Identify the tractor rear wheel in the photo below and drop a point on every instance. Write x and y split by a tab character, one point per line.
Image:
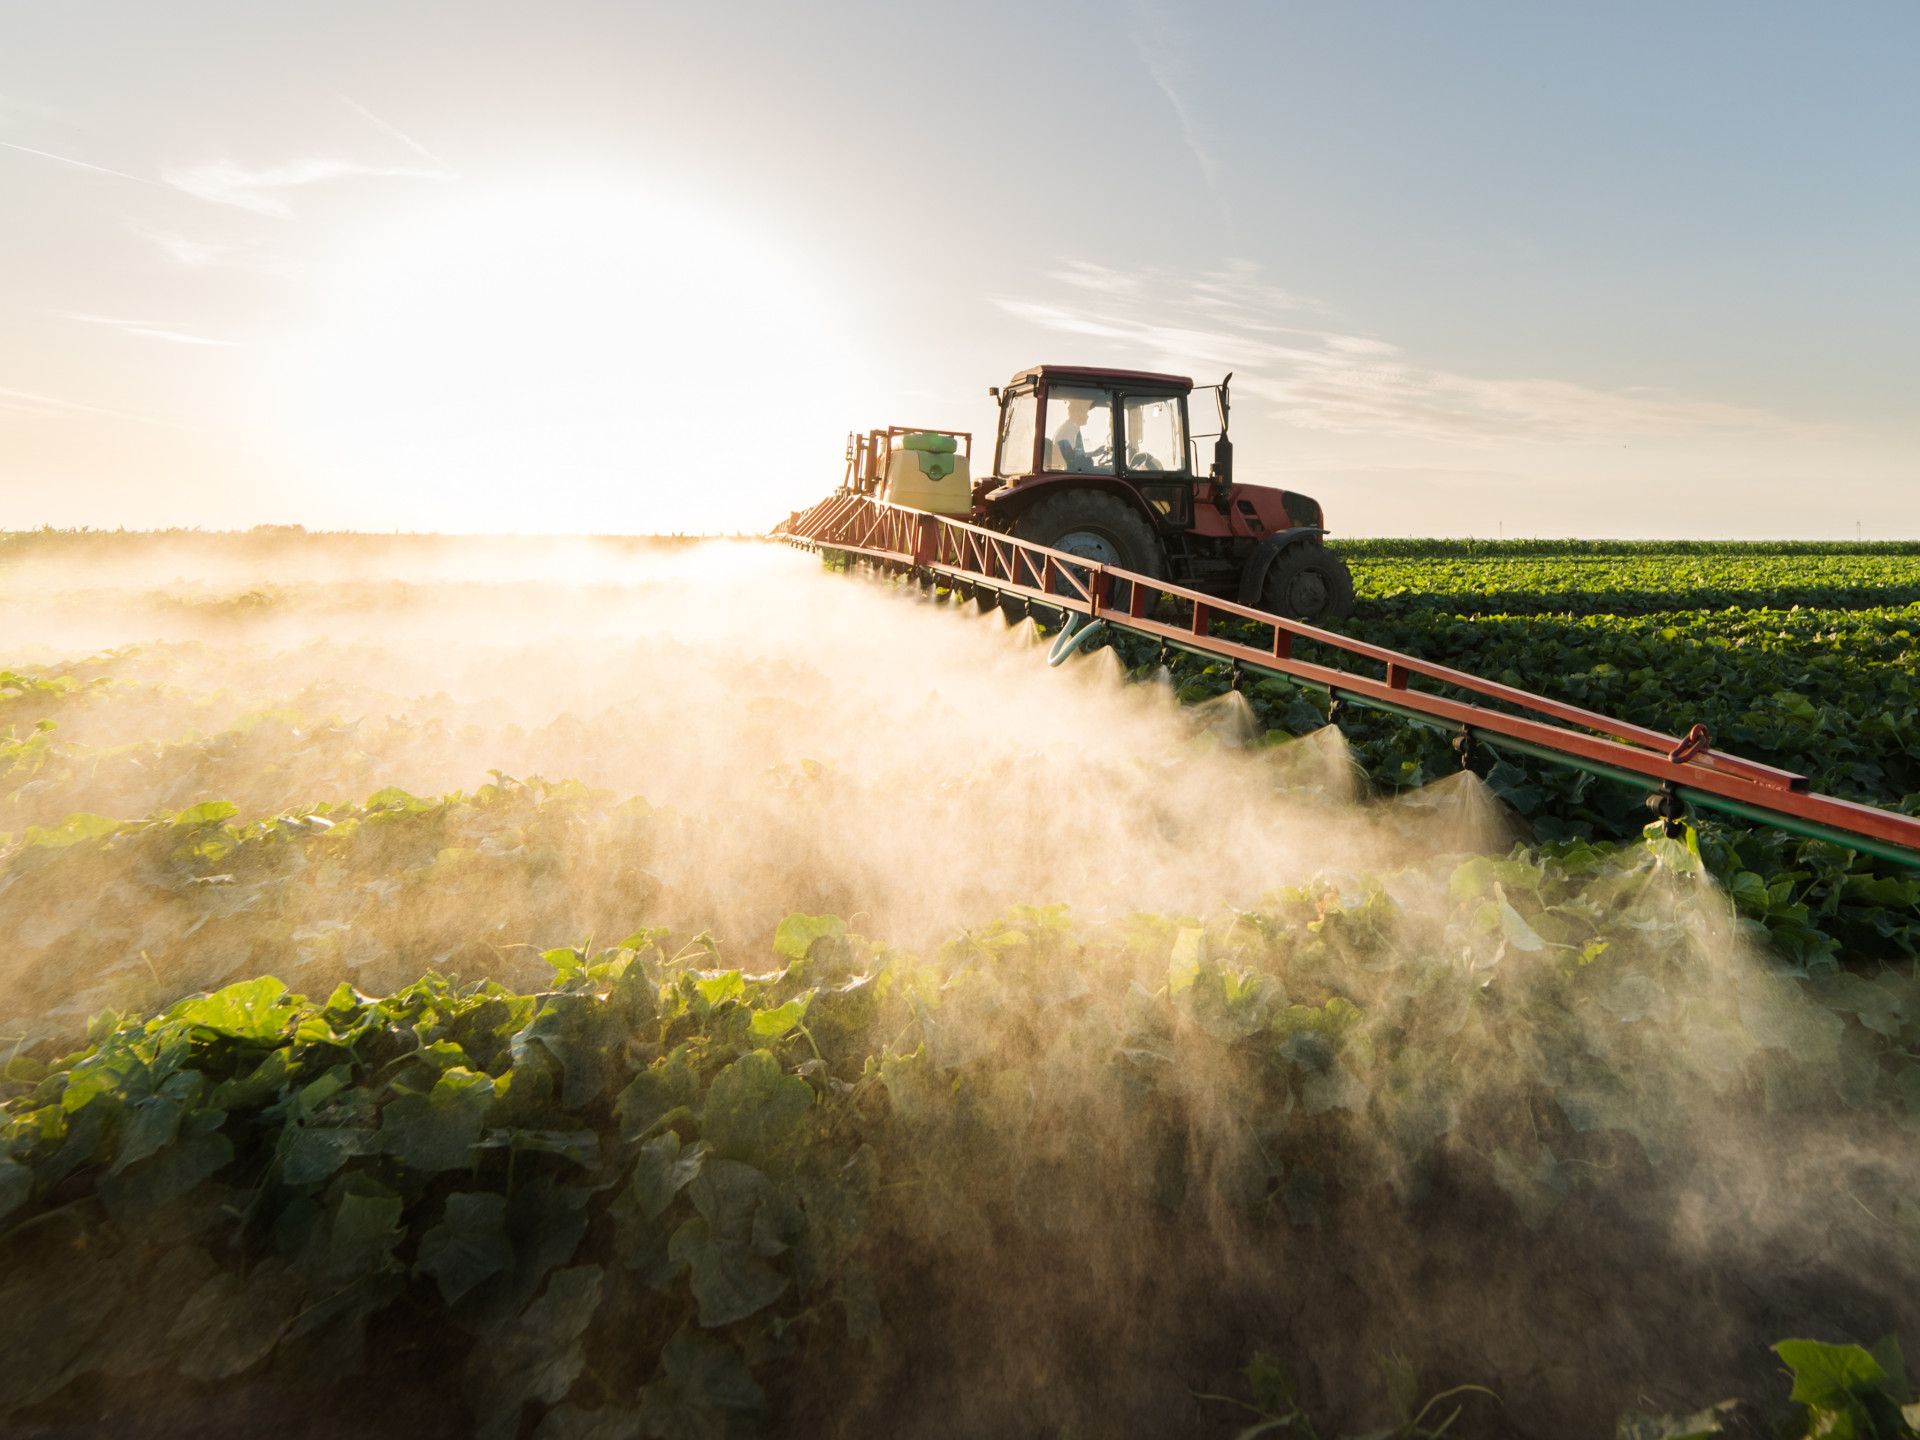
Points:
1101	528
1308	583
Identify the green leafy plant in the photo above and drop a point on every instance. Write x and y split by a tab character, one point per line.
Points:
1851	1393
1274	1399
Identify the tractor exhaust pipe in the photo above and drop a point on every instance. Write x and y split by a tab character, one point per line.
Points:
1222	472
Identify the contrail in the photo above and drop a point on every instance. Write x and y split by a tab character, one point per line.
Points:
69	160
393	130
144	328
52	403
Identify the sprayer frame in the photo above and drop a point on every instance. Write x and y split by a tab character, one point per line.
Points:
934	549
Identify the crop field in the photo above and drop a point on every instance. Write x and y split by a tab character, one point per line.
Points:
568	989
1492	579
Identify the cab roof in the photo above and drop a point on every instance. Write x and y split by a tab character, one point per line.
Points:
1181	383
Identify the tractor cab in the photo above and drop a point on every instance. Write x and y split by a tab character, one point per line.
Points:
1127	425
1108	464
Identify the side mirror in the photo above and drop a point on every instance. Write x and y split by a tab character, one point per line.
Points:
994	391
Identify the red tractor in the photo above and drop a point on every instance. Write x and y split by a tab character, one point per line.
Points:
1105	464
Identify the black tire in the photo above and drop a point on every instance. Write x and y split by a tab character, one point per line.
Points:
1308	583
1100	527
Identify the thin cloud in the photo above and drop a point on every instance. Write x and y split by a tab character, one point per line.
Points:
25	402
1162	48
1323	379
152	332
18	106
194	252
223	183
1084	275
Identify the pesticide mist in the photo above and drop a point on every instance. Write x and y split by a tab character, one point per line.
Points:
575	988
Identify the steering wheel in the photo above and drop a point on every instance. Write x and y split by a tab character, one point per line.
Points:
1100	455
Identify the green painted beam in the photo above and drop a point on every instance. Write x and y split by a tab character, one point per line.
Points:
1793	825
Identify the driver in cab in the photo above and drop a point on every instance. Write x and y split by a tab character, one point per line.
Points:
1069	441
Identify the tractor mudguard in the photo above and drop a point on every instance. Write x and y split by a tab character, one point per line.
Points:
1012	502
1253	577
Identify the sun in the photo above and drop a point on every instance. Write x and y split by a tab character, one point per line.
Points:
569	358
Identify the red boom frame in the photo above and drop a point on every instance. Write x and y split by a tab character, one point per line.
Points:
932	547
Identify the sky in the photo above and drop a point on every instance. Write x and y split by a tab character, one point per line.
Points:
1633	270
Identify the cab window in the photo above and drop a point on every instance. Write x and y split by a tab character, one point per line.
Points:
1079	430
1016	435
1156	440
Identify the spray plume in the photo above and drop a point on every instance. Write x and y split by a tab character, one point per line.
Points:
1187	1056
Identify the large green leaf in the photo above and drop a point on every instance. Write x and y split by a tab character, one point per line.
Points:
469	1245
727	1193
581	1146
728	1280
1829	1375
309	1153
654	1093
438	1130
840	1192
755	1112
662	1171
727	985
208	812
132	1066
705	1387
777	1021
145	1187
257	1010
71	831
545	1221
535	1357
796	934
578	1031
633	998
144	1126
366	1228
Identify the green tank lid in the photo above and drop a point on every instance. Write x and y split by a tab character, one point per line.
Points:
936	466
921	440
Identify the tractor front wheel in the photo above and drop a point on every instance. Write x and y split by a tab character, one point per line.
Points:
1308	583
1099	527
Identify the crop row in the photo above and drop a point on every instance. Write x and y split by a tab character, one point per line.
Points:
658	1192
688	1185
1833	695
1436	548
1632	584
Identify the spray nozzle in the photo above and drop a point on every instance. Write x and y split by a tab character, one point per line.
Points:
1667	804
1468	749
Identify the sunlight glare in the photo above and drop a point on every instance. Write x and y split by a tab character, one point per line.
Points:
575	358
